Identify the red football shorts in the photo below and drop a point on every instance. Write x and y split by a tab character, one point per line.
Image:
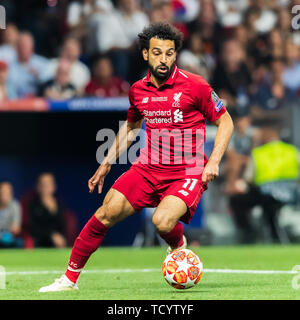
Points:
146	189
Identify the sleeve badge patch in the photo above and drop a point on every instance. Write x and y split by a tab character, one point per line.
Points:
218	103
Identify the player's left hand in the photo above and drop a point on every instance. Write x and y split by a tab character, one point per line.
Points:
210	172
98	178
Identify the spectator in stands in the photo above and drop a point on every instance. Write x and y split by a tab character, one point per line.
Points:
265	16
80	74
186	10
284	22
102	10
250	17
116	33
270	181
240	33
6	90
121	26
131	19
46	219
207	24
80	20
78	13
168	15
8	48
231	78
275	44
291	73
104	83
230	12
10	217
27	72
194	60
155	14
244	138
60	87
270	93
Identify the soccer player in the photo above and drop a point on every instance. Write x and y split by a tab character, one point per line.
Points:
174	105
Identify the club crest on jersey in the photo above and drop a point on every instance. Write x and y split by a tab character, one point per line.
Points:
145	100
176	97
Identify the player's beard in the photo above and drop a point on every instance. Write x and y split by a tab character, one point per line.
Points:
158	75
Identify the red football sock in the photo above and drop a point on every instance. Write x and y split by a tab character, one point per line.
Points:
85	244
174	238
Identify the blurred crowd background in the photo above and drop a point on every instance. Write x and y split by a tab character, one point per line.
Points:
247	50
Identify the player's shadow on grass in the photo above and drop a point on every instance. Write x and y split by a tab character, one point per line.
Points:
204	287
190	292
186	291
223	285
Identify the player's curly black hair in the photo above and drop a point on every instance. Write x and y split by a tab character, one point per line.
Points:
160	30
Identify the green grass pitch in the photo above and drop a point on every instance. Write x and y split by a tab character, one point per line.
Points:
135	274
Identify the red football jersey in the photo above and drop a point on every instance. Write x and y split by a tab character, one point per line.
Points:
174	115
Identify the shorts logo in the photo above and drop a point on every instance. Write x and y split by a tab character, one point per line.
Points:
178	116
185	193
176	97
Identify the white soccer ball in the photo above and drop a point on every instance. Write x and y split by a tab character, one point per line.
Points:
182	269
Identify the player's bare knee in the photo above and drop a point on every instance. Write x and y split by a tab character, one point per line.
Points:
107	214
163	224
164	227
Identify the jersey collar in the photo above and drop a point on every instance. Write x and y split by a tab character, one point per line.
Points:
170	80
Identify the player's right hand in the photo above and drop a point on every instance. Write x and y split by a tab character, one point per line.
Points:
98	178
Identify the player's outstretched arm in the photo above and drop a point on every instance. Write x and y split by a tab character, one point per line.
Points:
124	139
224	133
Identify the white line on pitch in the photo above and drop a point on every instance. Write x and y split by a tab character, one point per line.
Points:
9	273
250	271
